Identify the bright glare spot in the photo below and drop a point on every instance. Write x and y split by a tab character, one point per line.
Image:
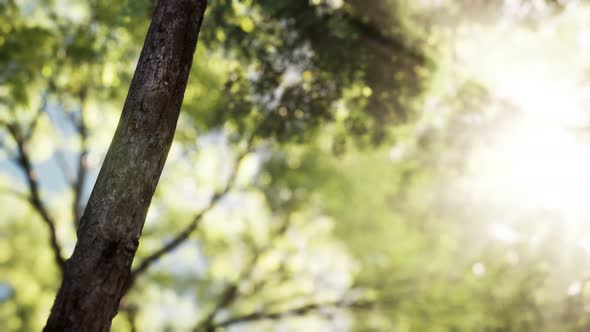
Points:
503	233
478	269
292	76
541	165
574	289
584	243
76	11
584	39
397	152
534	167
335	3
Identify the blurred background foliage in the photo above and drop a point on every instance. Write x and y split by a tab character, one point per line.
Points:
340	165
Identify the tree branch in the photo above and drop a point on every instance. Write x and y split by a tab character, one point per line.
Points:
231	292
67	172
31	130
192	226
130	311
82	163
76	179
302	310
24	162
108	236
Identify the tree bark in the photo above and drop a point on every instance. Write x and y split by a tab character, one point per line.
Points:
96	275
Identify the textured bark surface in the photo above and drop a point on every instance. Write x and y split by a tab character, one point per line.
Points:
96	275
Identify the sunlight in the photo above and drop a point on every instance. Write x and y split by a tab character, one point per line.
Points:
540	165
536	170
540	161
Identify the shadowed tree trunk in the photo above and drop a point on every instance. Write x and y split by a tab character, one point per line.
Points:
96	275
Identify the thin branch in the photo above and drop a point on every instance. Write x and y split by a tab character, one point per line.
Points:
130	311
76	179
192	226
31	130
24	161
299	311
281	274
231	292
226	298
176	241
67	172
82	163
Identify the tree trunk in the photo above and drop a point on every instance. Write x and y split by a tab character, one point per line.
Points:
96	275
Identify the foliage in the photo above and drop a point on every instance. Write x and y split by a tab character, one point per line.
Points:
321	176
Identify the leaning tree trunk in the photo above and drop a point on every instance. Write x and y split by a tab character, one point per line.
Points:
96	275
